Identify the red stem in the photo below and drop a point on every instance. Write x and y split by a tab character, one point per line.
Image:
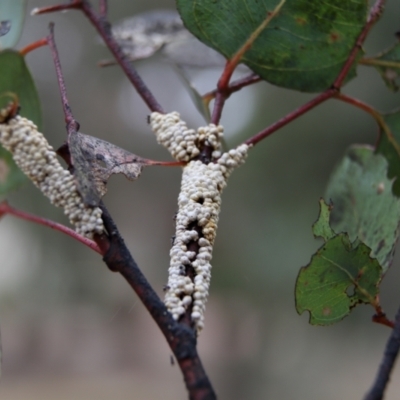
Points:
69	118
231	64
103	8
33	46
6	209
291	116
357	103
383	320
374	14
234	86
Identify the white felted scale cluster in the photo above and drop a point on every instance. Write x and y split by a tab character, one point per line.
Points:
199	205
37	159
183	143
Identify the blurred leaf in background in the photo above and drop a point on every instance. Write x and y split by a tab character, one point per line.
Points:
12	13
363	203
15	79
388	65
389	146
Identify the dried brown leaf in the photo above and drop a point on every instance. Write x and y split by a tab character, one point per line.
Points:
95	160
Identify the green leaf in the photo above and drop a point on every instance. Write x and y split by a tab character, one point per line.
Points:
363	203
321	227
340	275
11	176
15	78
14	12
303	47
388	65
389	146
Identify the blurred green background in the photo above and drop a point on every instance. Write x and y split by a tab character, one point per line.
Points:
71	329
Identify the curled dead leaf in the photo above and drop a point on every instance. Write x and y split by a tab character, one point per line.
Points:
95	160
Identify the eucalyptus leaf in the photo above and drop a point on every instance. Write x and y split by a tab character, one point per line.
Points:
363	203
303	47
341	275
15	79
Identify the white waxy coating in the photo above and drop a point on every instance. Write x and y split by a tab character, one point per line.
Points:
183	143
199	204
37	159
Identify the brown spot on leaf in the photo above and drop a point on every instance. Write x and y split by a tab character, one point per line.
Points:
334	37
326	311
301	20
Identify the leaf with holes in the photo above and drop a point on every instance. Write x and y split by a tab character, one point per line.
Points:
16	80
340	275
303	48
363	203
95	160
388	65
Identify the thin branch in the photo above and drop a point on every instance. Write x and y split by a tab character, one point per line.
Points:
291	117
218	107
182	340
391	351
33	46
232	63
103	27
73	4
380	318
69	119
6	209
235	86
361	105
103	8
375	114
368	109
379	63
